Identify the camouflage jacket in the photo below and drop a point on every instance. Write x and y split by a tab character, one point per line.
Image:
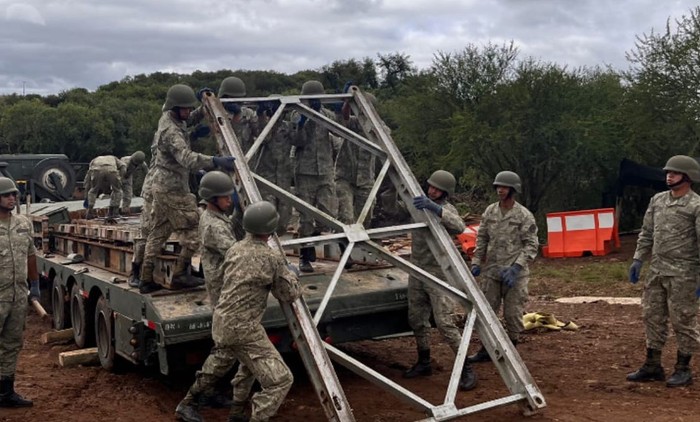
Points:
16	244
355	164
103	163
251	270
420	251
246	127
130	170
174	159
506	239
314	153
670	233
275	150
216	234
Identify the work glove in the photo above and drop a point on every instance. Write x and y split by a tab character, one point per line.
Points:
263	109
509	275
635	269
347	86
34	292
200	131
423	202
201	93
225	163
302	121
236	202
293	268
315	105
232	108
476	270
86	204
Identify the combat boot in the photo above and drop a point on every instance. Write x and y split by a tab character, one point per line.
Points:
305	256
651	370
215	400
681	376
237	413
422	368
8	396
467	380
181	275
188	409
147	284
135	276
481	356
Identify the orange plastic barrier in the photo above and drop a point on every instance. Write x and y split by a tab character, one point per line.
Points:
467	239
578	233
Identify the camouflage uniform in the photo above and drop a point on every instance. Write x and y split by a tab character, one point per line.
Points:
245	126
145	218
506	237
216	234
174	207
670	233
424	297
128	180
273	163
16	245
105	175
313	176
354	177
251	270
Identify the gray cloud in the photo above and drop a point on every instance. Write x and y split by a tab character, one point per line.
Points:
54	45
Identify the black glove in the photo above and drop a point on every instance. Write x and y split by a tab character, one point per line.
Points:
302	121
423	202
201	93
476	270
200	131
34	291
86	204
225	163
263	109
635	269
510	275
232	108
347	86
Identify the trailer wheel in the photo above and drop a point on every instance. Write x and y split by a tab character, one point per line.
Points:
104	334
83	331
61	317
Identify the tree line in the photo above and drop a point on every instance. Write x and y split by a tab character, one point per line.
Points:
473	112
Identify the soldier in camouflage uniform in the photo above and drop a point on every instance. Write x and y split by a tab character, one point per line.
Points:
425	298
18	260
505	245
104	175
251	270
244	120
133	163
273	161
670	235
174	207
313	175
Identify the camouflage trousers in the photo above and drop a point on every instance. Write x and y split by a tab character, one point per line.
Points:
171	214
12	318
513	299
671	297
351	200
319	191
258	360
425	298
127	192
103	182
140	243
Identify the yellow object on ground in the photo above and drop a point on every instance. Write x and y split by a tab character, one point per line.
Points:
535	320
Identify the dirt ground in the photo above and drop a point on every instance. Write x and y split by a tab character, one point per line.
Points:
581	374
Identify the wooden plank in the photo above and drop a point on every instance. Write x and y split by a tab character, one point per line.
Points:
79	357
57	336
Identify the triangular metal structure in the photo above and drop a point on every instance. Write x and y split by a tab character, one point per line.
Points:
459	283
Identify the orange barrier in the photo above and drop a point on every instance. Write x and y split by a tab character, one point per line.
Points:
467	239
578	233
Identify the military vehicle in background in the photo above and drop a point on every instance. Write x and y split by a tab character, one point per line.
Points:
49	177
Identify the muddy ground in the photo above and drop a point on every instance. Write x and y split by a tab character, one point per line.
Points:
581	374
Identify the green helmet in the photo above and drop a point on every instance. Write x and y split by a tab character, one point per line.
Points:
443	180
7	186
684	164
137	158
260	218
312	88
215	183
232	87
509	179
180	95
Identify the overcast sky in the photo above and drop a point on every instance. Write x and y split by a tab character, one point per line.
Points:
47	46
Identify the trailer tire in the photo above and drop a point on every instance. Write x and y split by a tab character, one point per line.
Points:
60	315
83	331
56	176
104	334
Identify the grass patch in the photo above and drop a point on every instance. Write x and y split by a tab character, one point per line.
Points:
583	277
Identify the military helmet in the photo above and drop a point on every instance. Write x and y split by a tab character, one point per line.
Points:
509	179
260	218
215	183
443	180
137	158
7	186
180	95
684	164
312	88
232	87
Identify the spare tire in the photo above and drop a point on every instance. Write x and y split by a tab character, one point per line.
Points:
55	177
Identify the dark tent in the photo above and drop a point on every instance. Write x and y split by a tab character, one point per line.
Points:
635	174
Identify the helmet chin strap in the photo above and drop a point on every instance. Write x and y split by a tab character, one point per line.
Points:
684	179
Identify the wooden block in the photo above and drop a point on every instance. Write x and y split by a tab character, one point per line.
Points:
79	357
57	336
